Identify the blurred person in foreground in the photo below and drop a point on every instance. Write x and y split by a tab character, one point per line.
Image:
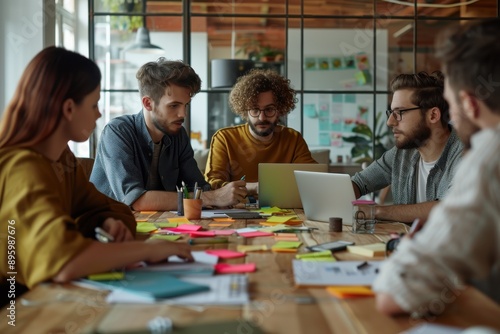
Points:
460	243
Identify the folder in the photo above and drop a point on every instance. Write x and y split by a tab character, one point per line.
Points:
150	285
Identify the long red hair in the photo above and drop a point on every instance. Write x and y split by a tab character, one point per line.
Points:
52	77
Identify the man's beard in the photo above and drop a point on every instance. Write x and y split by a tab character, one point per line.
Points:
163	129
417	137
264	133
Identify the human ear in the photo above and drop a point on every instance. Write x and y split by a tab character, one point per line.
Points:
469	104
68	109
147	103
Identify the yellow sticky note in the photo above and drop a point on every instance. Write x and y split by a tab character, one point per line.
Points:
111	276
251	248
279	219
145	228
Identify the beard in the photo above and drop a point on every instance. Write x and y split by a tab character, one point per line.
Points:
264	133
164	127
416	138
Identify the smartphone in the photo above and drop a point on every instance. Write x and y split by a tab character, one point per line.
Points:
331	246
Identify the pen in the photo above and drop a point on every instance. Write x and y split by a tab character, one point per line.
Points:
216	240
243	178
103	236
185	189
362	265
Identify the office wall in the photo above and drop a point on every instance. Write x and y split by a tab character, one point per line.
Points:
21	37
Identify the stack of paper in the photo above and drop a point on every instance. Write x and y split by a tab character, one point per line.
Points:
343	273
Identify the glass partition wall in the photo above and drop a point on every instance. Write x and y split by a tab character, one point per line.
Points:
339	55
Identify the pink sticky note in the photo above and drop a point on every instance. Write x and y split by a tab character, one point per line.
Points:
198	234
256	234
188	227
225	253
226	268
224	232
184	228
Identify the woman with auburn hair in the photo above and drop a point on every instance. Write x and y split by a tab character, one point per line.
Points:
48	208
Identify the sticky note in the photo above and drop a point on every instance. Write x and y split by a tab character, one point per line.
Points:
350	291
224	232
165	224
199	234
143	216
225	253
187	227
111	276
251	248
255	234
165	237
287	244
227	268
145	227
219	224
226	220
279	219
179	220
325	253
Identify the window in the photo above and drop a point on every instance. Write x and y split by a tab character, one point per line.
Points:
339	55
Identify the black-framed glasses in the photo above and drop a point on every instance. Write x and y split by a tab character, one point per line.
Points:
398	113
268	111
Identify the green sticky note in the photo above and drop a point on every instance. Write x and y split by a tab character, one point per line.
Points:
111	276
145	227
287	244
325	253
165	237
320	259
165	224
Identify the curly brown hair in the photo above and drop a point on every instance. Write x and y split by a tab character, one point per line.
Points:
245	92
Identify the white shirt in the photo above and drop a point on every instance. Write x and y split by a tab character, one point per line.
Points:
460	244
423	173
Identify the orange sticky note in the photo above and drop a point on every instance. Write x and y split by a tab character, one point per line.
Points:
350	291
226	220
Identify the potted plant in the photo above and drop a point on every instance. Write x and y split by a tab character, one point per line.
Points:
362	149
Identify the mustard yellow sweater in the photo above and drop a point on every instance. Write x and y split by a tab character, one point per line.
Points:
234	152
46	210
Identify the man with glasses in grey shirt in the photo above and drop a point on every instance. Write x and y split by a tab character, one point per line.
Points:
422	164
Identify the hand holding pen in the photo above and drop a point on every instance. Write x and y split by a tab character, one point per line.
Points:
117	229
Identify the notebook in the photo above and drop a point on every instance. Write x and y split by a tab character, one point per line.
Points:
326	195
277	185
150	285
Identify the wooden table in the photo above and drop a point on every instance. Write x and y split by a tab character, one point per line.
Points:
276	305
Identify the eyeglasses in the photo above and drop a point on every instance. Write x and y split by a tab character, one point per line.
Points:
268	111
398	114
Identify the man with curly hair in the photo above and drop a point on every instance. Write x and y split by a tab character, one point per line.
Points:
261	97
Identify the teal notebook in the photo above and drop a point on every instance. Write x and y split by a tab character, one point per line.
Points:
150	284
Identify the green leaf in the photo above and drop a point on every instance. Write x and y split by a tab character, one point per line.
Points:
363	129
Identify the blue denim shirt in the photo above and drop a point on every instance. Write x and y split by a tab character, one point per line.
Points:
399	168
124	154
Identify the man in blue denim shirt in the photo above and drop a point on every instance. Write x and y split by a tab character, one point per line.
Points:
422	164
142	158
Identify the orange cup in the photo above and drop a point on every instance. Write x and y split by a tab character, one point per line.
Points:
192	208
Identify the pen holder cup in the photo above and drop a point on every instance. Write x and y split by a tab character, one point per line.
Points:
192	208
363	217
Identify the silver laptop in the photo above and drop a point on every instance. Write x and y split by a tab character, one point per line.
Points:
277	185
326	195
